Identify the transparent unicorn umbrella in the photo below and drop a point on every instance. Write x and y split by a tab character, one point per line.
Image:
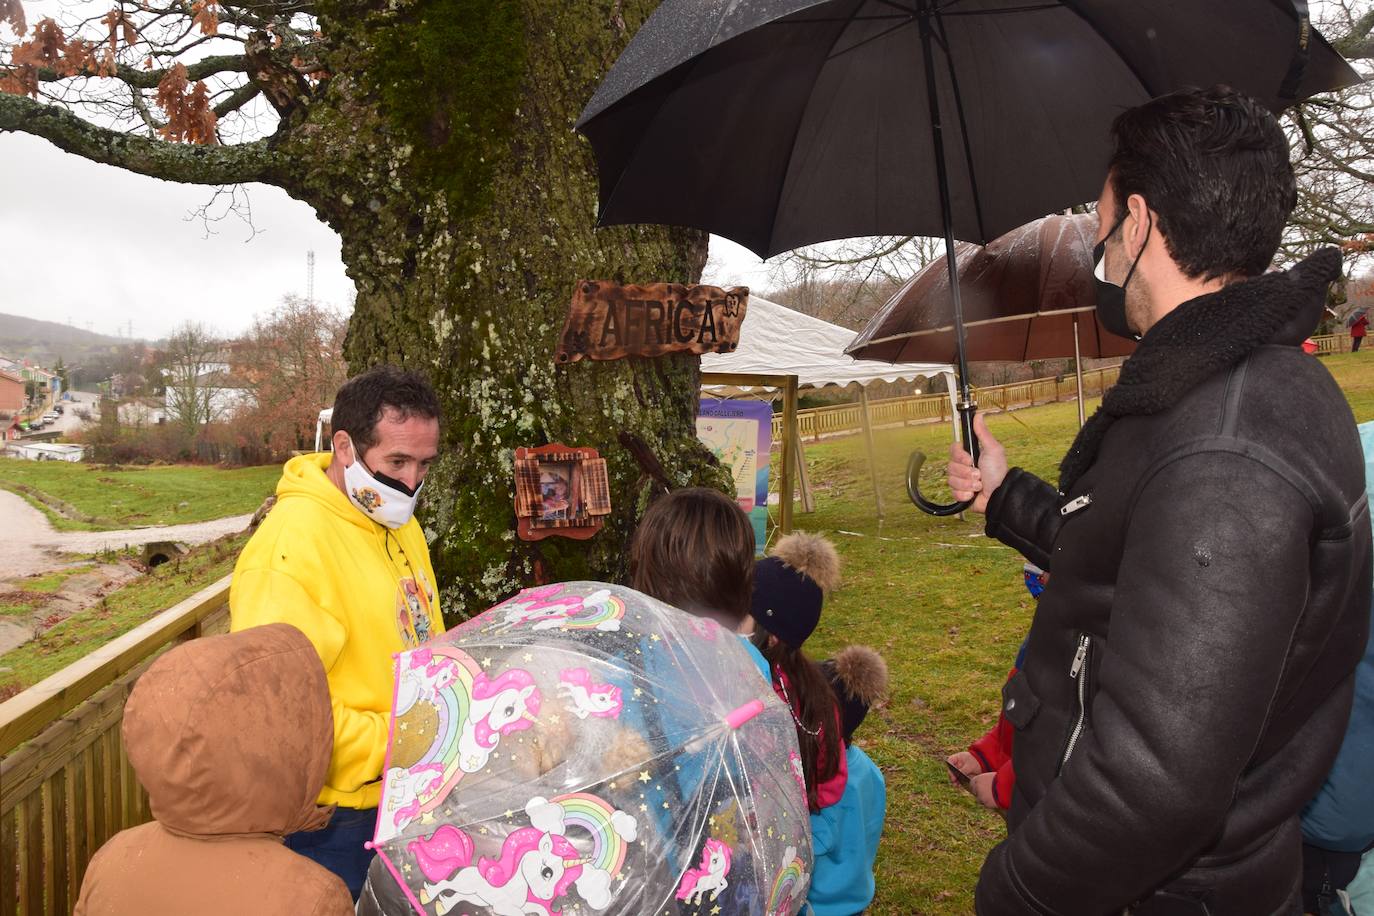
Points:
585	749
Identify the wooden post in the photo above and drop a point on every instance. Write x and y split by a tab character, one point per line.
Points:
868	441
1078	369
789	414
808	501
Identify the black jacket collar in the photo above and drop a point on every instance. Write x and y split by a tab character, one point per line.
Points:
1202	337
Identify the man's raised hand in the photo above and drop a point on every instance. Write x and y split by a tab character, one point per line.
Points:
977	483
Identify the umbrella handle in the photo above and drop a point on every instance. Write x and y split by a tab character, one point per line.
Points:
918	460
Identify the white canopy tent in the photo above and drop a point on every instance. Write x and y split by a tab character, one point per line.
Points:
776	340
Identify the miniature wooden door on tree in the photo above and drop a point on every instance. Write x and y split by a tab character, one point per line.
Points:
560	491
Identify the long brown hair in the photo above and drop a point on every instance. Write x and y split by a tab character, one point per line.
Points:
814	711
694	549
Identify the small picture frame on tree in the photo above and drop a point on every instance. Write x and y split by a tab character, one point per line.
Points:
560	491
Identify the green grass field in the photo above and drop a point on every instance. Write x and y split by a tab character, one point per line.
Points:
944	605
947	609
135	497
114	615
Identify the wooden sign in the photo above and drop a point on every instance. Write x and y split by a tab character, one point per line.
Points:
608	321
560	491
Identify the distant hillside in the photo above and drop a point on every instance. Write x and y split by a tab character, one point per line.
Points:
45	341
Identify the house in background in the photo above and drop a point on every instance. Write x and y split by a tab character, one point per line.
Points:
45	451
138	412
12	396
211	396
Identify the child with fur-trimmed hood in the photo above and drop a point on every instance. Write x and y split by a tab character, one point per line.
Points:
844	787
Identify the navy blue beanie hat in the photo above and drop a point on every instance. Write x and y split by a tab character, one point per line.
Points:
790	586
787	602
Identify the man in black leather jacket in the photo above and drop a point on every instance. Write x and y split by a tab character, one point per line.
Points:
1189	671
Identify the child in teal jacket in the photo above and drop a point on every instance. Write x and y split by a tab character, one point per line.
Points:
845	836
844	788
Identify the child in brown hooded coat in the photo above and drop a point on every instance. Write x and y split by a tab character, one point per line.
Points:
231	736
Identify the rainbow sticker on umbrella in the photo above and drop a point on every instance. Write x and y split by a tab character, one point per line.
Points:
611	829
537	864
474	712
549	608
789	887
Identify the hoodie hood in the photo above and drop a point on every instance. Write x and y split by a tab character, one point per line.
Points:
304	477
233	734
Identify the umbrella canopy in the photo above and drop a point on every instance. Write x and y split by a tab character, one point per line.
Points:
1354	317
779	123
822	119
1025	294
584	748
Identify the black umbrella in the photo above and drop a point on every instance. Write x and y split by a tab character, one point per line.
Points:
779	123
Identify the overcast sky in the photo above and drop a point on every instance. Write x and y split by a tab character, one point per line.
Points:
101	247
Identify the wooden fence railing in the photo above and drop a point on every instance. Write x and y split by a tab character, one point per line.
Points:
1332	343
815	422
66	785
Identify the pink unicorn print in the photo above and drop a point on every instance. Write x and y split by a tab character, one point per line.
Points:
589	698
709	876
419	784
706	628
534	870
545	609
501	706
798	773
422	679
539	605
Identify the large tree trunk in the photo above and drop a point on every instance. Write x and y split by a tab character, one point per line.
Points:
444	155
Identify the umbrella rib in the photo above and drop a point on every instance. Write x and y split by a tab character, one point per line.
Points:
872	38
963	130
1028	8
796	131
887	17
1072	7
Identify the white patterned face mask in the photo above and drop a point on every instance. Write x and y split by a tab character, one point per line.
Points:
383	499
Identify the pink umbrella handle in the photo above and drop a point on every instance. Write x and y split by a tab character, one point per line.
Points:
744	713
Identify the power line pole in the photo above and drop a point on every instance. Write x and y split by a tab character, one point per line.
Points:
310	277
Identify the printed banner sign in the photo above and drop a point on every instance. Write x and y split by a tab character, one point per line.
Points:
609	321
740	435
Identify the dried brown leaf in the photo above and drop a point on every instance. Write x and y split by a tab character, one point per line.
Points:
12	11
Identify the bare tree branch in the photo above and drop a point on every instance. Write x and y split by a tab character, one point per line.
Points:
1358	44
237	99
148	79
192	164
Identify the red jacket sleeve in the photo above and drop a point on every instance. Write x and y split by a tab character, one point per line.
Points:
993	751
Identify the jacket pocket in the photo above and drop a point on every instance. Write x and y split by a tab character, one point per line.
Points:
1019	702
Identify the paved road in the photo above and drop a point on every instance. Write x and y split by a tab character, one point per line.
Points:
30	544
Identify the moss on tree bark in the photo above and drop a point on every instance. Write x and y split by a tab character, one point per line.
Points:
444	155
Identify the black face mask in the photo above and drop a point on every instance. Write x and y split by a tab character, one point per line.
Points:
390	481
1111	299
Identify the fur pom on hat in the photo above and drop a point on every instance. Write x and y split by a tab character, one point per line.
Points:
811	555
858	675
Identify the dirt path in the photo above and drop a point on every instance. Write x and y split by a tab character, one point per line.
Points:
29	544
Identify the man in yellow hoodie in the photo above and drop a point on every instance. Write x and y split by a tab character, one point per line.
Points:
341	558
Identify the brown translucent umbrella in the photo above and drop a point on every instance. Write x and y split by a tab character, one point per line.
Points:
1027	295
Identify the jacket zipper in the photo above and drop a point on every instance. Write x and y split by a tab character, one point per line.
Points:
1080	658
